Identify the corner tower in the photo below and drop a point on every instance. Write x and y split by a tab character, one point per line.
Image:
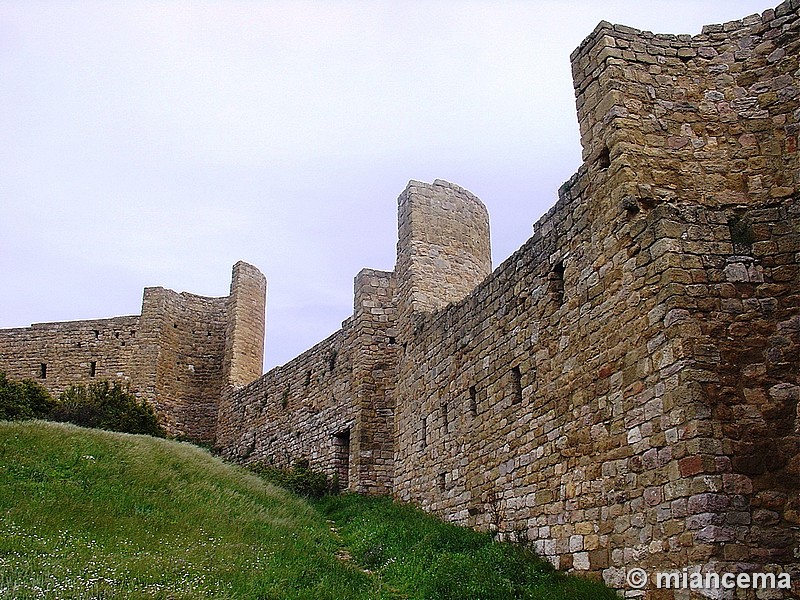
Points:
244	337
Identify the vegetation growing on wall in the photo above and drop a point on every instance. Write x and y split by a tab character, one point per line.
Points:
300	479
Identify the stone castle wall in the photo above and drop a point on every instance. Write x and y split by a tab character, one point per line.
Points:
70	352
295	411
246	322
622	391
332	405
179	354
443	248
703	130
189	333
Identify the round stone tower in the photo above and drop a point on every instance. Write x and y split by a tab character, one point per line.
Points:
443	248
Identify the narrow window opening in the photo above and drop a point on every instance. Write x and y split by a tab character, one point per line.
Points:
133	333
116	334
42	370
174	325
473	401
332	360
445	415
516	382
442	481
604	158
285	397
341	458
308	379
424	427
741	231
392	340
93	368
557	283
96	334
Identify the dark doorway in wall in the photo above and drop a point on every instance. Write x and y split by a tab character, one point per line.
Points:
341	458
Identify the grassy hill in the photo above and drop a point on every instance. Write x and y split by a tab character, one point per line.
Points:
93	514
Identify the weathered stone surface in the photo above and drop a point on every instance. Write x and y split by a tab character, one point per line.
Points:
179	354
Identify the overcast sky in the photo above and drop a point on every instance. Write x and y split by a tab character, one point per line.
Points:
157	143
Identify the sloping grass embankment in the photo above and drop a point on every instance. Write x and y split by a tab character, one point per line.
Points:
426	558
93	514
89	514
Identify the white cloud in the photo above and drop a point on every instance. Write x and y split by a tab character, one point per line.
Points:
162	141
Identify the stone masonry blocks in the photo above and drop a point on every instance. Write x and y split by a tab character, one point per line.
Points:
621	392
178	354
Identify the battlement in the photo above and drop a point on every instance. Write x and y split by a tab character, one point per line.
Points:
623	391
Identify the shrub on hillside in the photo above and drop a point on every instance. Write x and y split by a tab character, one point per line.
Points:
106	406
23	400
300	479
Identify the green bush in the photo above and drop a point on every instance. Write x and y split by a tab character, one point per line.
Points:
23	400
300	479
106	406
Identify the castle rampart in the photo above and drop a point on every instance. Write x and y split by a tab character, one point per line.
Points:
65	353
622	391
179	354
189	333
333	404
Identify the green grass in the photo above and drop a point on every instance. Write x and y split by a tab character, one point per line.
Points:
425	558
94	514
